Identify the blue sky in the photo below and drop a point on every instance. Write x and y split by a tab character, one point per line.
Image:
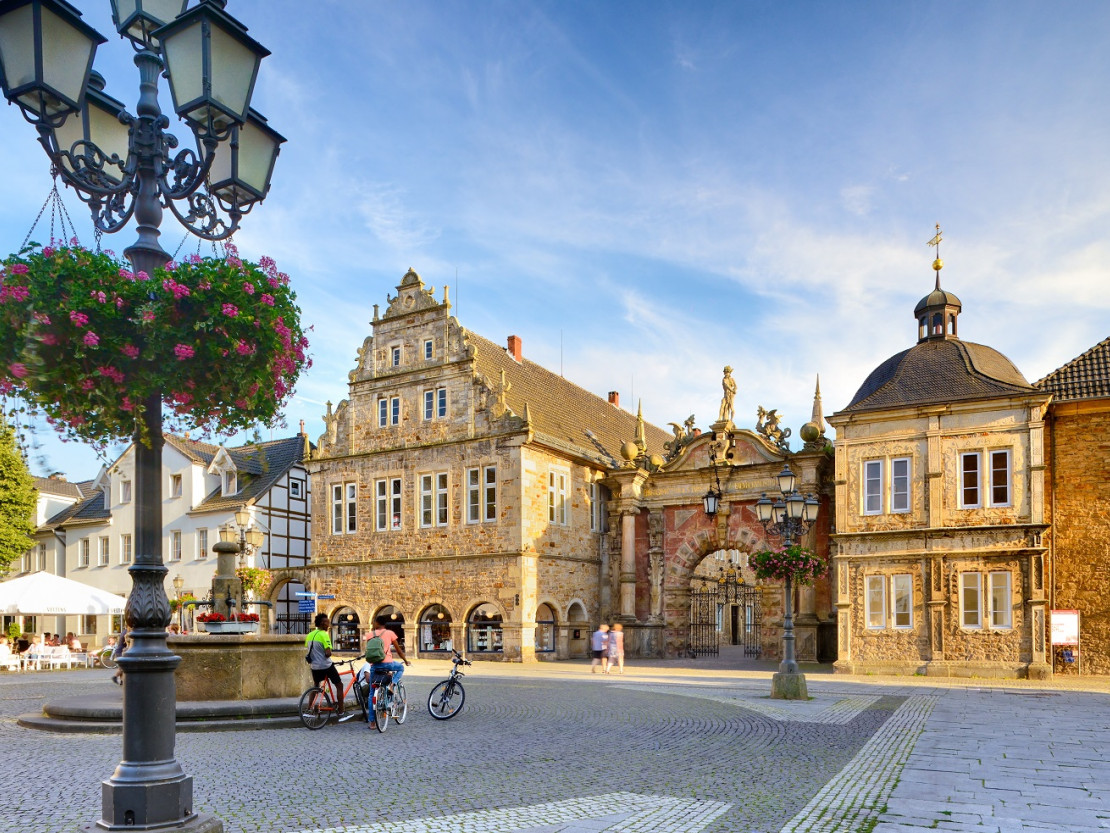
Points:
645	192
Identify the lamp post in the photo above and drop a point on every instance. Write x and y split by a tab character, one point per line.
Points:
123	166
789	516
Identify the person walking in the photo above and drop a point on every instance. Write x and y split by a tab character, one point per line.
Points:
318	643
599	645
615	648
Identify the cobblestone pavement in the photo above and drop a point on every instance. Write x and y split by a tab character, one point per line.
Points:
539	749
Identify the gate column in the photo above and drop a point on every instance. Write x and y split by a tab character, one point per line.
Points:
628	564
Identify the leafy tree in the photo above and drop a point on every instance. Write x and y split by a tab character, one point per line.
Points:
17	500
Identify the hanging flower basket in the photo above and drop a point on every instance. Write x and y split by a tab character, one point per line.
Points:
88	343
797	563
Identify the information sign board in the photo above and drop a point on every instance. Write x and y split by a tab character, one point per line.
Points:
1065	627
306	606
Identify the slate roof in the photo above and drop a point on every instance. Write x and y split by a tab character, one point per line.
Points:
1084	377
937	372
259	466
561	410
89	510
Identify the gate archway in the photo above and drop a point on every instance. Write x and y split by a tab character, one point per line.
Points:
726	607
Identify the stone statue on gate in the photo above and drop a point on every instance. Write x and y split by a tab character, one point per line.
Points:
728	384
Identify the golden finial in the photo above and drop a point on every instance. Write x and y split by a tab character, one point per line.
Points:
938	264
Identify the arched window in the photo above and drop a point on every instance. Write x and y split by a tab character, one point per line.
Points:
483	632
545	629
345	626
938	324
951	324
435	630
922	327
396	622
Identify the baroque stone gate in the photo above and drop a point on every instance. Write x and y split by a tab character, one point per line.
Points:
661	540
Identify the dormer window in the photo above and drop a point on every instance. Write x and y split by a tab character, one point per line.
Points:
223	466
175	485
230	483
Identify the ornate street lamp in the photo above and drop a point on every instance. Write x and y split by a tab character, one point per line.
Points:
789	517
178	584
123	166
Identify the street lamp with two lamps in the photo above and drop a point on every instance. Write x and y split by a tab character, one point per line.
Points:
789	516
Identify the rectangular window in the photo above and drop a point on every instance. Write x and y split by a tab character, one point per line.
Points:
433	499
970	595
441	499
900	484
175	545
102	552
383	413
872	487
435	403
490	498
969	481
125	549
395	356
597	507
352	507
231	483
294	488
473	496
175	485
388	504
1001	606
429	404
83	557
901	589
344	508
557	497
441	403
876	602
1000	478
428	348
42	556
202	543
125	491
395	410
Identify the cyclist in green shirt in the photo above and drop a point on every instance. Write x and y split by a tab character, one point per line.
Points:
318	643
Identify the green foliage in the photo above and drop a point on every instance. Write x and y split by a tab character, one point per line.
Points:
254	580
89	344
800	564
175	604
17	500
14	631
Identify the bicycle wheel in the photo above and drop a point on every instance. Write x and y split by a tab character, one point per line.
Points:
316	708
400	704
381	709
446	699
105	658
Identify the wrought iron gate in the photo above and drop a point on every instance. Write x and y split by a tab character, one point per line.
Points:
708	603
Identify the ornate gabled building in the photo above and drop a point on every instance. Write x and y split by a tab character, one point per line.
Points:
940	510
461	487
1078	493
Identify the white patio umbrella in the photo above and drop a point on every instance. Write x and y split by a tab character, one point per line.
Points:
44	594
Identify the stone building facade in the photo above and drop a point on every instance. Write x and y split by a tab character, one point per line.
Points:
1077	451
940	555
459	490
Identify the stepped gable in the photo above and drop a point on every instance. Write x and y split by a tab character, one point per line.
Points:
561	410
1085	377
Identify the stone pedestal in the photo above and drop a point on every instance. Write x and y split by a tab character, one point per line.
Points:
249	667
643	639
785	686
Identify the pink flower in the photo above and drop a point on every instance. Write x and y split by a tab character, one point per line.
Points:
170	265
99	297
49	339
18	370
148	315
230	310
119	302
79	318
183	352
267	299
91	339
193	259
87	384
18	268
125	274
131	351
47	251
42	318
112	373
142	276
244	349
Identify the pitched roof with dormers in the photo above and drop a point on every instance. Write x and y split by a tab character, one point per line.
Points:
939	372
560	410
61	488
1084	377
259	466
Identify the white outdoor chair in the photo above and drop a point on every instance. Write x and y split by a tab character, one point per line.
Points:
11	662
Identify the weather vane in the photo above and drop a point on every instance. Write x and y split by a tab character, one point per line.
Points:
938	264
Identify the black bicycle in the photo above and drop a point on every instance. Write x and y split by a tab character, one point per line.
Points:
387	700
447	697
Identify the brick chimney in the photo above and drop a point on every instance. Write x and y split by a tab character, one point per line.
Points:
615	398
516	348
